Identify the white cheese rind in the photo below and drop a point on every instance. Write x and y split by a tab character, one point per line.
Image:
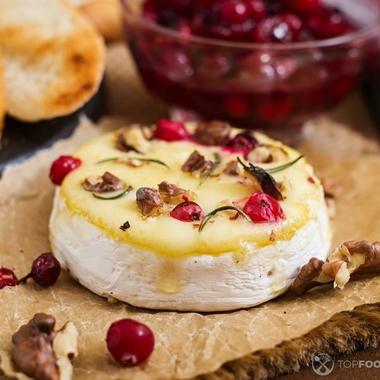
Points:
200	282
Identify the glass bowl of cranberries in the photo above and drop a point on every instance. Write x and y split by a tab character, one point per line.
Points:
260	64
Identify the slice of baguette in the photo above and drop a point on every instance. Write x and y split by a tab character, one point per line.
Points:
53	58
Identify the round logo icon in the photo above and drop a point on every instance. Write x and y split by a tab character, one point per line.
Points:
323	364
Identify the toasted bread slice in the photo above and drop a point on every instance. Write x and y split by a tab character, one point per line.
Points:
53	58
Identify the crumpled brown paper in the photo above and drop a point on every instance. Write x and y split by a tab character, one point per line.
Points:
187	344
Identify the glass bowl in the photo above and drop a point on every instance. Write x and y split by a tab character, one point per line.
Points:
254	85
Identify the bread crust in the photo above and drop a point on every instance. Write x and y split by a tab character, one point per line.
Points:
54	59
2	100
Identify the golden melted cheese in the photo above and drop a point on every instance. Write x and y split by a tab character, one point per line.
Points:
169	237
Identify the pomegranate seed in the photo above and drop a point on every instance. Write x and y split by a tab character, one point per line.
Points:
130	342
187	212
45	270
263	208
7	278
61	167
169	130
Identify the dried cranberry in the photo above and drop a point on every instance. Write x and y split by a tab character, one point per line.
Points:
130	342
242	142
45	270
170	130
62	166
187	212
7	278
262	208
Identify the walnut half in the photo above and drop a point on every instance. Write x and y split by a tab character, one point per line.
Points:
351	258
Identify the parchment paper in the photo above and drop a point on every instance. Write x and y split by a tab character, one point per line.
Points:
187	344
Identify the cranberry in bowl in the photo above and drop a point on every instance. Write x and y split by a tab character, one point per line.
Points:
259	64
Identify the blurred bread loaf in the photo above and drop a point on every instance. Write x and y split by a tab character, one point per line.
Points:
105	16
53	58
2	100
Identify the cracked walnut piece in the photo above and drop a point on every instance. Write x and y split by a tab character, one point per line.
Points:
351	258
36	352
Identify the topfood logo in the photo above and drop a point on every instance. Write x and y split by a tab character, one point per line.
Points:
323	364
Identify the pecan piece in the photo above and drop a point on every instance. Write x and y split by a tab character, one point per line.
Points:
215	132
171	193
149	201
103	184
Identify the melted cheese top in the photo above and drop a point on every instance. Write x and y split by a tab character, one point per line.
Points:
166	236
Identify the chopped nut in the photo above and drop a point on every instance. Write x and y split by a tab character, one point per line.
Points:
173	194
103	184
267	153
232	168
149	201
308	276
135	137
65	346
33	352
197	164
351	258
212	133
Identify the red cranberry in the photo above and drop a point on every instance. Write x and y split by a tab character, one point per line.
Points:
61	167
242	142
304	7
236	106
234	12
130	342
45	270
257	9
277	109
7	278
176	64
333	26
284	27
169	130
262	208
187	212
214	66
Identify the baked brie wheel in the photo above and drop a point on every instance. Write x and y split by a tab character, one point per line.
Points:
191	217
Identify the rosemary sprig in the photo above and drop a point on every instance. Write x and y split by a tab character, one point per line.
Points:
217	162
134	158
276	168
118	195
207	217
